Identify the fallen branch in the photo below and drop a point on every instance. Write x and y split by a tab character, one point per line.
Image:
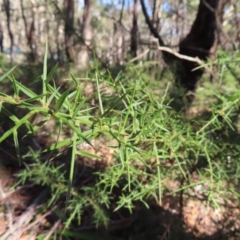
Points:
178	55
191	59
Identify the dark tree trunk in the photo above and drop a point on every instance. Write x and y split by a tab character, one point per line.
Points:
1	38
197	43
69	29
134	31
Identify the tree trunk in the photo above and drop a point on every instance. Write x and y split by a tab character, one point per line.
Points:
29	34
120	43
7	9
197	43
69	29
24	19
154	55
34	34
155	19
1	38
83	57
134	31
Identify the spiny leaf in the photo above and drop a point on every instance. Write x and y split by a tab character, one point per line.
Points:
6	74
24	89
60	101
19	123
44	76
16	143
16	90
88	155
74	80
10	115
50	75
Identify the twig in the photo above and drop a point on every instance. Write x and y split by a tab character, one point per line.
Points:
39	219
4	195
139	56
150	25
17	229
54	227
178	55
191	59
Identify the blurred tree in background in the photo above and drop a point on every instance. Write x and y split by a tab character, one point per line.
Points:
109	29
174	35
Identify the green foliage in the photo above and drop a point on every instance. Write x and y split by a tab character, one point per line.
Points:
153	144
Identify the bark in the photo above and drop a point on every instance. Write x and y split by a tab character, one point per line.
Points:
69	29
24	18
1	38
47	31
120	45
154	55
237	21
60	53
29	34
134	31
30	41
120	37
34	34
156	7
83	57
7	10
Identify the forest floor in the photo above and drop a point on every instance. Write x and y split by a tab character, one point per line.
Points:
20	218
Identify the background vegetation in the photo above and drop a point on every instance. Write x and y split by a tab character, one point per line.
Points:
95	140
